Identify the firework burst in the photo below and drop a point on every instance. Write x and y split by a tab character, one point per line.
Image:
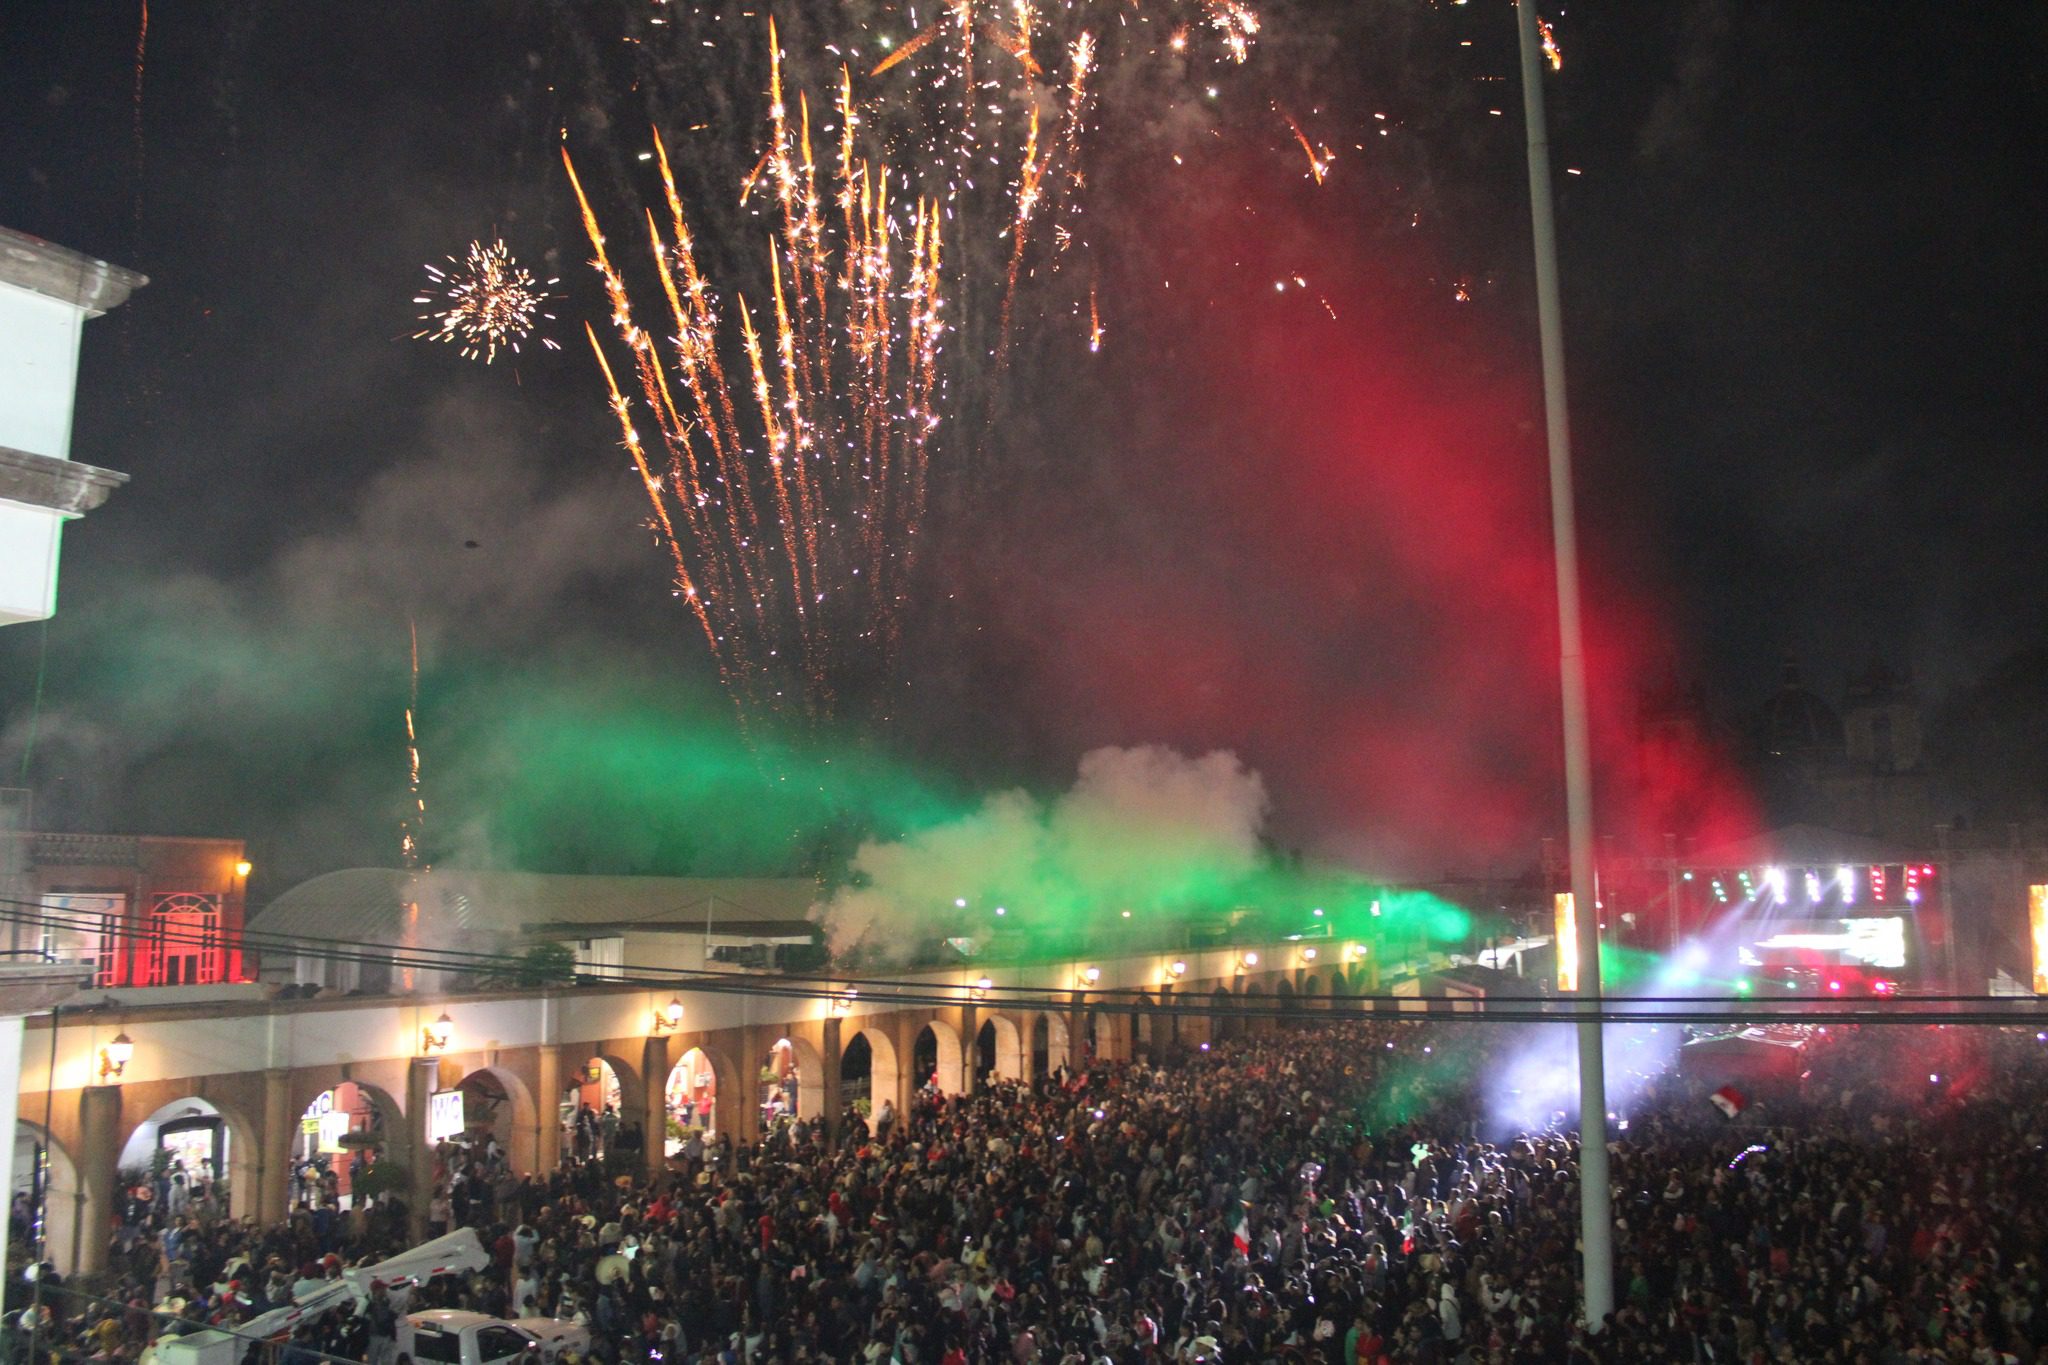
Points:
788	490
484	303
792	427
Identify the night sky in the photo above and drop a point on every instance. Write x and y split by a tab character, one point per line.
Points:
1802	278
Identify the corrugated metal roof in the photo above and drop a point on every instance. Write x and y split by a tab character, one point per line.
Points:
371	903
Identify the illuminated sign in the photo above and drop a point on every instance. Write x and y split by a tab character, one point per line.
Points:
333	1126
1873	941
444	1116
1567	930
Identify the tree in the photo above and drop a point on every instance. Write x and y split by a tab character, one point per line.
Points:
547	964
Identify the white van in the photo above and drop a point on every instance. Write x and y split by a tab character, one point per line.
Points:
443	1336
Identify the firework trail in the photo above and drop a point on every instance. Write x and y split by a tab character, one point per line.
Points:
789	499
141	54
792	428
1319	157
484	302
948	98
414	823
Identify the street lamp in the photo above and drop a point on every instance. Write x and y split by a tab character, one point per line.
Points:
669	1017
436	1037
115	1056
243	867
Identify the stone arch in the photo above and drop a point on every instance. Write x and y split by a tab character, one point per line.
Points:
800	1078
381	1118
944	1058
999	1049
1143	1025
874	1078
1252	1001
1223	1020
44	1170
307	1086
1288	1002
632	1085
494	1097
232	1140
1050	1045
719	1106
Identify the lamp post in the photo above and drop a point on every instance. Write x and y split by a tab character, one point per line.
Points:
1596	1217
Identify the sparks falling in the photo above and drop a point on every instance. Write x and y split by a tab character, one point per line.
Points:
788	427
414	823
1319	157
484	303
790	493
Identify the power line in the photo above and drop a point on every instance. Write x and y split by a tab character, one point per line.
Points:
1662	1009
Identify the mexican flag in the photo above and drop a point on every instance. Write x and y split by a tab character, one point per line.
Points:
1241	1235
1729	1100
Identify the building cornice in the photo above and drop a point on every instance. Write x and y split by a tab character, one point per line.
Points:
68	276
64	486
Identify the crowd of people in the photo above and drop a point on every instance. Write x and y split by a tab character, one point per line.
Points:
1329	1195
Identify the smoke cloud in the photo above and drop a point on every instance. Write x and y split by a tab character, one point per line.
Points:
1142	829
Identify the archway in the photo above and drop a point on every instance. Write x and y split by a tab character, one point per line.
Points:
1223	1020
692	1098
1143	1022
1253	1003
188	1152
935	1058
46	1183
497	1105
339	1138
1288	1003
1048	1044
601	1083
1315	991
999	1049
867	1071
791	1085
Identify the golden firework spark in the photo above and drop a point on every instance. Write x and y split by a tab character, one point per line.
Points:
1319	157
789	499
483	303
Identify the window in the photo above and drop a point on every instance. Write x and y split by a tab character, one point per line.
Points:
185	947
82	927
498	1343
432	1344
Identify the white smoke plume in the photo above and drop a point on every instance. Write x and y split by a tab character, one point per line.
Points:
1145	829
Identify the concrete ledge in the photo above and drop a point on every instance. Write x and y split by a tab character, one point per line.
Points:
31	988
60	273
60	485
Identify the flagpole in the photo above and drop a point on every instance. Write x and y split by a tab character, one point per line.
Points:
1596	1215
